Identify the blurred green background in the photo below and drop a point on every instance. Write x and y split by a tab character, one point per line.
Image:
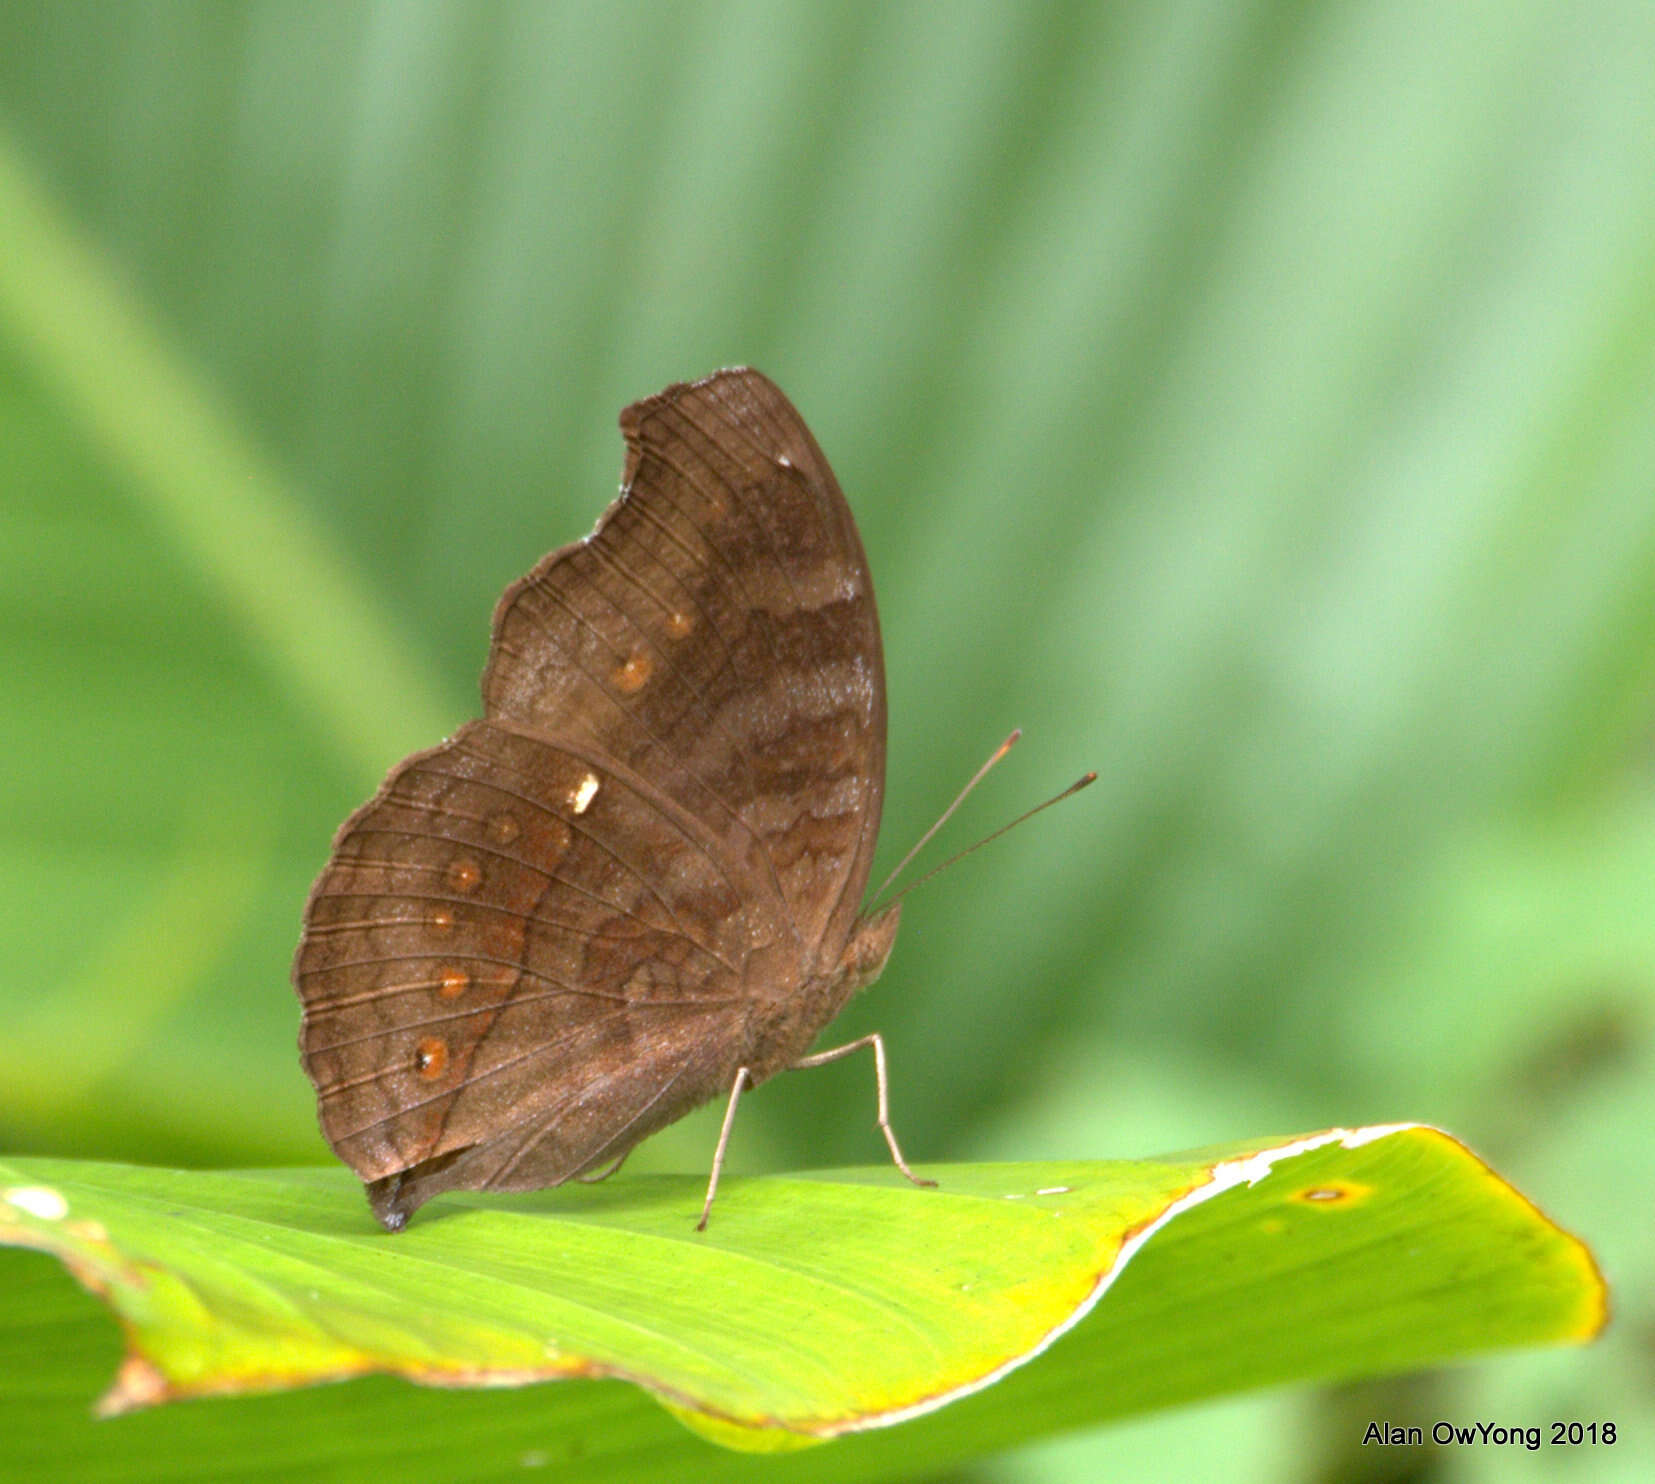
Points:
1254	402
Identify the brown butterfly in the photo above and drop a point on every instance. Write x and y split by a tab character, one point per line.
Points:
637	883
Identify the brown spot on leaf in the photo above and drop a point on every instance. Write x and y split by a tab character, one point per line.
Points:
1331	1193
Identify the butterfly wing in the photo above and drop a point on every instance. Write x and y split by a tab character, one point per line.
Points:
544	939
490	950
717	633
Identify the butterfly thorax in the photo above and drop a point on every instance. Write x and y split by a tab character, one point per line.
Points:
781	1029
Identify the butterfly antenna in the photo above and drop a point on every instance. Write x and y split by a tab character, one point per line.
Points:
959	798
1085	781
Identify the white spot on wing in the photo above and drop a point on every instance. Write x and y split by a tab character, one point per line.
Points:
585	791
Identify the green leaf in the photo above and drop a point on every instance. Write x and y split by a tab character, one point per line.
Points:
821	1305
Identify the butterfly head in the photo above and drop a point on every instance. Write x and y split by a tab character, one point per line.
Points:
870	944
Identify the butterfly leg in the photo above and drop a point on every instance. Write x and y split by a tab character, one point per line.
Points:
603	1174
737	1087
822	1058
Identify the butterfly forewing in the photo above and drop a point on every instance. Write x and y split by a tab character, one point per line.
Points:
717	633
558	931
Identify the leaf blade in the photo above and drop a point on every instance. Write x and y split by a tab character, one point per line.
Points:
765	1332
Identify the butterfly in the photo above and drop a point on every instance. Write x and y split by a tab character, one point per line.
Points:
636	884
